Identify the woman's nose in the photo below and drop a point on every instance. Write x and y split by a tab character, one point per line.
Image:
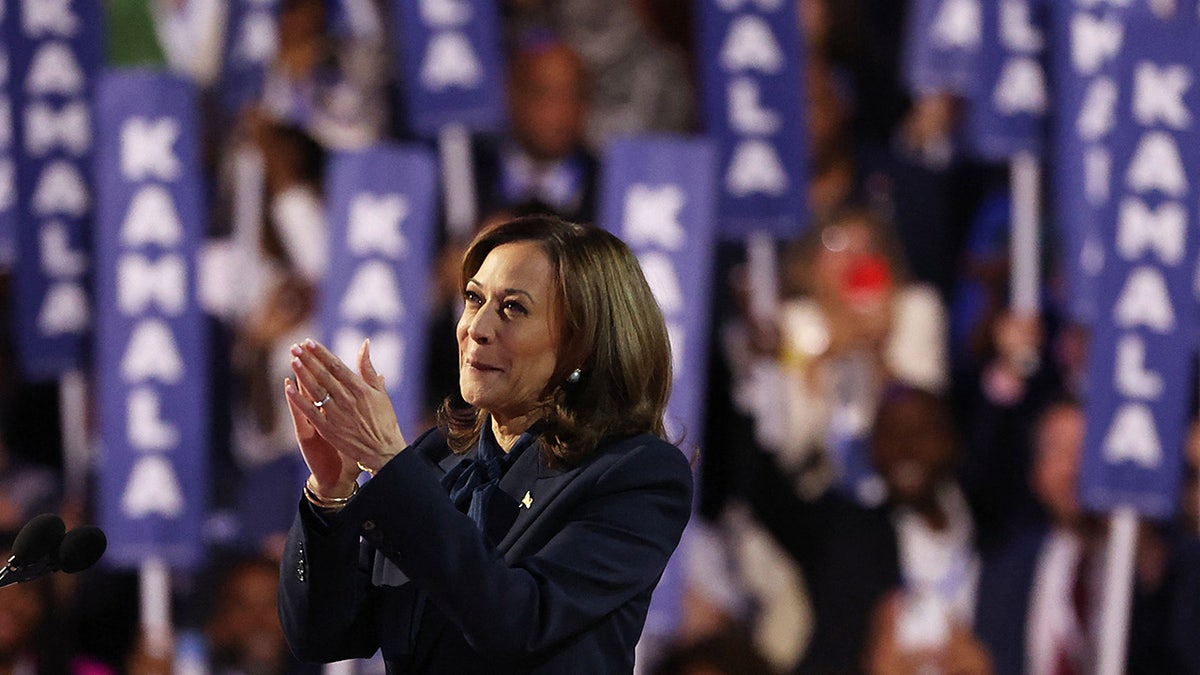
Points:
480	327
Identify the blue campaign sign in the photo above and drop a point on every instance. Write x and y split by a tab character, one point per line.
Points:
55	49
251	36
8	179
452	64
1144	338
151	344
1007	99
943	38
1086	40
753	84
657	194
381	205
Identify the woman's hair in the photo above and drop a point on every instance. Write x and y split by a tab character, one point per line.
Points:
612	331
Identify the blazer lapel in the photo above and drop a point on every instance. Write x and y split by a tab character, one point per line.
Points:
532	484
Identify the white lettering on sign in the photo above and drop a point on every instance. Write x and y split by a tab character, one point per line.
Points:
958	24
375	224
450	61
445	13
60	190
651	216
1158	95
58	259
64	309
1094	42
1133	436
373	293
153	489
1157	165
151	219
1098	114
1145	301
145	428
755	168
69	128
148	149
142	283
1163	230
1017	29
48	17
1131	377
750	45
54	70
152	354
1021	87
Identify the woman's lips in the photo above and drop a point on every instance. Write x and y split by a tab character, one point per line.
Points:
481	366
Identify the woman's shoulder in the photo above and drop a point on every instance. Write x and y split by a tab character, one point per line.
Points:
643	456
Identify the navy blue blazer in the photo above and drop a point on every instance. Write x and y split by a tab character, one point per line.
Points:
561	584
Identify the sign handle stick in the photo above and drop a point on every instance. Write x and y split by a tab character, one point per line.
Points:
458	180
1118	591
1024	245
73	414
154	582
762	270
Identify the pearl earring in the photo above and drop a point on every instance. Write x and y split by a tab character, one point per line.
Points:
574	376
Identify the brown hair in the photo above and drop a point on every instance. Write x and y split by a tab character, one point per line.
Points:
612	330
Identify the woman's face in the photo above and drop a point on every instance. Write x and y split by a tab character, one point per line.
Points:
509	331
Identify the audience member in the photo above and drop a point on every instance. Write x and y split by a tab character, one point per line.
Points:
544	159
1040	591
334	89
243	631
639	83
857	326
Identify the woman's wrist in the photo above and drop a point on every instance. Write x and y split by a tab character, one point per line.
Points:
375	464
328	499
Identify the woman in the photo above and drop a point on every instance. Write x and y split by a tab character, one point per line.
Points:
565	502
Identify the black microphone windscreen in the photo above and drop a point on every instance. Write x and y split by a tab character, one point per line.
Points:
40	537
81	548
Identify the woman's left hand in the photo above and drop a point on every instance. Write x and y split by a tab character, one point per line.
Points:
353	411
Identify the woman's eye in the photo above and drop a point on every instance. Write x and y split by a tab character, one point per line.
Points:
512	306
472	298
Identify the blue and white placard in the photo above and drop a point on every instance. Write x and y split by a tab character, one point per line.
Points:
657	195
1144	338
753	84
452	64
152	359
55	49
1008	97
382	218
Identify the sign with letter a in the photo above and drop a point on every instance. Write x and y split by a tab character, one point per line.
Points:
381	214
151	346
657	195
452	64
1144	338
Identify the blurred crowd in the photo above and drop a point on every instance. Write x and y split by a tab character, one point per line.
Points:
888	477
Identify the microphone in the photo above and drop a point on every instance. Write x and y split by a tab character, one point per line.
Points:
81	548
37	541
41	547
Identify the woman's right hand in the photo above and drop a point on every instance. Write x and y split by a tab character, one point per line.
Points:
332	473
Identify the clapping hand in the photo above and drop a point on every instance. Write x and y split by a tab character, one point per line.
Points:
343	419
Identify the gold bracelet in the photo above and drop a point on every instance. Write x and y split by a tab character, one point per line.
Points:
365	469
326	502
